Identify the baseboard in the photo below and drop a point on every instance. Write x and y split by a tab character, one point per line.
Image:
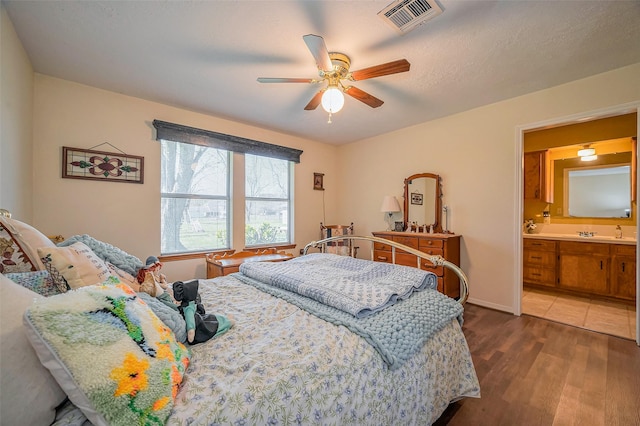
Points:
490	305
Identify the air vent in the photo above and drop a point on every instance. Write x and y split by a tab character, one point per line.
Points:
405	15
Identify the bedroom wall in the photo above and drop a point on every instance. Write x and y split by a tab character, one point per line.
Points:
128	215
16	87
475	152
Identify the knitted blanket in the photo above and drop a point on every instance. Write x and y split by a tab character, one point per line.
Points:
359	287
397	332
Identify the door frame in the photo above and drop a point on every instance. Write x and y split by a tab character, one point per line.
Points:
519	196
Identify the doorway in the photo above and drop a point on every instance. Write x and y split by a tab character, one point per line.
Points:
582	311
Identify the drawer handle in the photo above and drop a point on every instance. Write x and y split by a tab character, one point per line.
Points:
536	257
536	275
430	243
429	265
622	266
382	258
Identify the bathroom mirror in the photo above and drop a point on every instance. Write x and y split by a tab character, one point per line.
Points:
598	189
423	201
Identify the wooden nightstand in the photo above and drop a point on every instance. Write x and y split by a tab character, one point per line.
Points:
219	265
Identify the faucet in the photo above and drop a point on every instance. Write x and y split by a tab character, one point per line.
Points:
587	233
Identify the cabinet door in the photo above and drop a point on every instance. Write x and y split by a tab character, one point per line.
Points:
623	277
587	273
537	176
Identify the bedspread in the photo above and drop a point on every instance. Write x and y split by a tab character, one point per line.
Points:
282	365
359	287
396	333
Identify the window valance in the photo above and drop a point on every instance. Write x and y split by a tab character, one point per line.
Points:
185	134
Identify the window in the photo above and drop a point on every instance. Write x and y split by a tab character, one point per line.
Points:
196	179
267	200
195	198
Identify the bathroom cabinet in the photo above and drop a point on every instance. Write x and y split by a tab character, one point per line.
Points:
537	176
584	267
590	268
623	272
539	262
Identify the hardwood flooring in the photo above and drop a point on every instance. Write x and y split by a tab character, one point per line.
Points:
537	372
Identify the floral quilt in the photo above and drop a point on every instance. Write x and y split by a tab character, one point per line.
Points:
282	365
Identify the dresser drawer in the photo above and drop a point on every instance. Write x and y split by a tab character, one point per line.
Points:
381	246
432	251
582	248
426	243
428	266
382	256
407	241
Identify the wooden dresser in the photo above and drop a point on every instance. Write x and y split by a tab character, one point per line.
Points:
445	245
221	265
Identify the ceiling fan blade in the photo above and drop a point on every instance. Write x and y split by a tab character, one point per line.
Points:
315	101
319	51
285	80
394	67
363	96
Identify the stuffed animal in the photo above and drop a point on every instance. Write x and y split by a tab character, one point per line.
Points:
154	283
200	325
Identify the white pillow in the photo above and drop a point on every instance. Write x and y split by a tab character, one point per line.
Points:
30	394
77	263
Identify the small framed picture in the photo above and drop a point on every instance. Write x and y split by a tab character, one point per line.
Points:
416	198
399	227
318	181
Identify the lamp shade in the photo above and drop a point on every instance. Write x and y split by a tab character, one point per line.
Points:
332	100
390	204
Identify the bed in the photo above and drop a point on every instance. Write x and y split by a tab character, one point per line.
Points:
288	360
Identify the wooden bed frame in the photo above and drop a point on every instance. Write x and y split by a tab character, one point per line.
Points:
436	260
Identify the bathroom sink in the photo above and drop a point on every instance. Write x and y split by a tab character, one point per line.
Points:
576	237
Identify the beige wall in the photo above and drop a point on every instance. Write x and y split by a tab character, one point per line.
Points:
475	152
16	93
128	215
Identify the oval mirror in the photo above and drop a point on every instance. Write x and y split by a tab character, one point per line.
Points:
422	201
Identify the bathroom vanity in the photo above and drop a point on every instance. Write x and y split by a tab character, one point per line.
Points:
598	266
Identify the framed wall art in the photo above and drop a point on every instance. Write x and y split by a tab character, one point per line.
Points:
79	163
416	198
318	183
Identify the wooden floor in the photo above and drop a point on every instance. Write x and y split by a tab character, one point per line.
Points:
537	372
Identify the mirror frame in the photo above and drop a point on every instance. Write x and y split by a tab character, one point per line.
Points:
437	226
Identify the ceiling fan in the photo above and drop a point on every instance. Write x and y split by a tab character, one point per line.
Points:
333	67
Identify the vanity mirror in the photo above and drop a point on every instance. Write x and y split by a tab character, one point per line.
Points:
423	201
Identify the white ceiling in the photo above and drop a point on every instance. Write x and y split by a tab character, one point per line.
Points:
205	56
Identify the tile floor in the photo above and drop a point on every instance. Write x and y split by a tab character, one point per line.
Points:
602	316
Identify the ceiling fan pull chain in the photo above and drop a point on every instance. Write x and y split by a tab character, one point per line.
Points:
329	121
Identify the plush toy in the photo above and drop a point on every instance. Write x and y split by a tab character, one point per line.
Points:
154	283
200	325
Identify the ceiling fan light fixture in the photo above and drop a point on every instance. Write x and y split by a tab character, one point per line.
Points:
332	100
586	152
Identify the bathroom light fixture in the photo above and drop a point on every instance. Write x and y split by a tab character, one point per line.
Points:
389	205
587	153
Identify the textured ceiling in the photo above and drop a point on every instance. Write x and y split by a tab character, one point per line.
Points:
205	56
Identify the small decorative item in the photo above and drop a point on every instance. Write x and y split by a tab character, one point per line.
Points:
416	198
399	227
78	163
529	226
318	181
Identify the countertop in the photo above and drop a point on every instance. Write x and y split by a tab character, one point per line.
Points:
575	237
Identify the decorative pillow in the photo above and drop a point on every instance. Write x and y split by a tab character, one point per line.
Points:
170	317
77	263
30	394
108	253
13	256
37	281
111	354
29	238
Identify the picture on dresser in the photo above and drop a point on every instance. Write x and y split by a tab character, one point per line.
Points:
399	227
416	198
